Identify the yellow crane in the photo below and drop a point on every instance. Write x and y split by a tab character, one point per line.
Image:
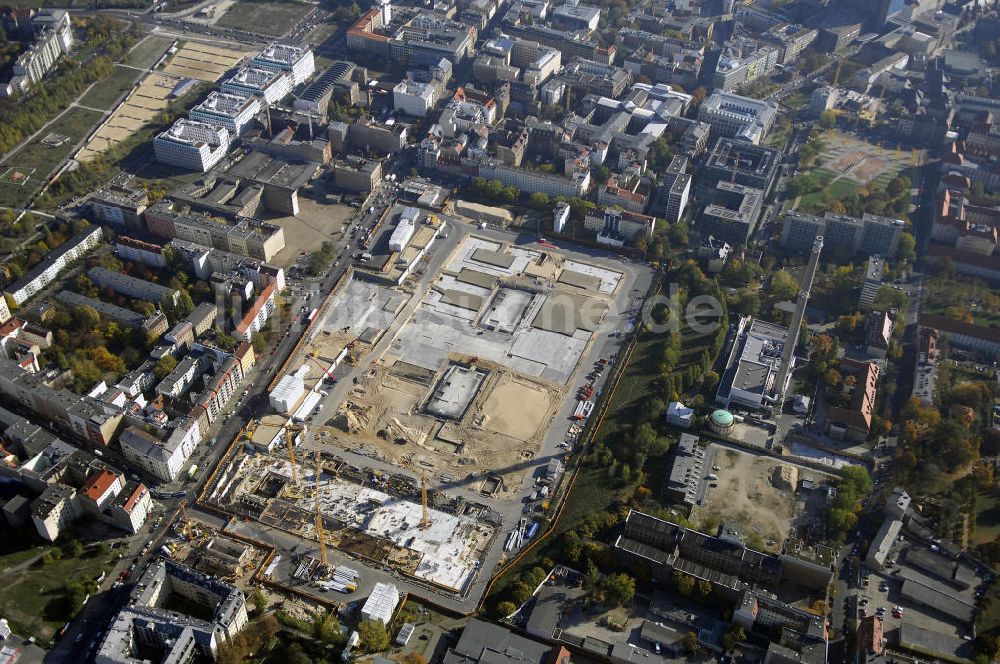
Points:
186	528
425	519
290	430
319	514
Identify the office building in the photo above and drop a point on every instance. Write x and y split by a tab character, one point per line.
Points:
871	234
53	264
751	378
723	560
269	85
357	174
232	111
120	204
206	261
737	161
414	98
686	472
676	189
154	619
296	60
872	283
334	83
854	422
573	16
618	227
193	145
738	117
733	215
742	62
139	289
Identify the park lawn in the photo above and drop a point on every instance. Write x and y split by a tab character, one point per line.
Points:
105	94
33	599
75	123
147	53
271	17
841	188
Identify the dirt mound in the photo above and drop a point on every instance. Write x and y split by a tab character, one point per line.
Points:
352	418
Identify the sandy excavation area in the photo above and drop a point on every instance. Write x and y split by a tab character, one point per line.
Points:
500	432
746	495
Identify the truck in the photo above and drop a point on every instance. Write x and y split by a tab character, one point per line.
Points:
532	530
312	314
193	472
167	553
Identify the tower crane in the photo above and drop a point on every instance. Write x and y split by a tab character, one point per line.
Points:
186	528
319	514
290	441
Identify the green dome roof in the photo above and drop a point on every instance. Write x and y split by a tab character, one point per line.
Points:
722	418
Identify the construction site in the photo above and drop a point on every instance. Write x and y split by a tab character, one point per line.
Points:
396	396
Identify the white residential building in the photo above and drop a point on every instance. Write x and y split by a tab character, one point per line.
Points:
414	98
232	111
191	144
45	272
161	458
272	86
283	57
255	319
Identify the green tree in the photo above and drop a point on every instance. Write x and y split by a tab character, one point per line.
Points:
164	366
828	119
506	608
258	600
540	201
907	248
784	286
374	638
617	589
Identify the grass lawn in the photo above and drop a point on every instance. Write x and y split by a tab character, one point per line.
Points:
76	123
987	516
146	53
272	17
33	599
104	95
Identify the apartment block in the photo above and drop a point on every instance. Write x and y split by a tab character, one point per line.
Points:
151	622
81	416
676	186
138	289
54	263
161	458
414	98
257	316
153	326
193	145
247	237
67	483
136	251
53	38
